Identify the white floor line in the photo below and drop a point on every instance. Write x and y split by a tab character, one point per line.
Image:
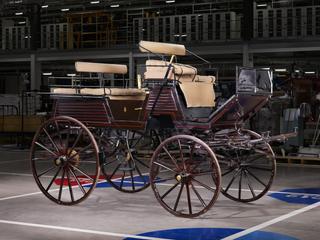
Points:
16	174
19	196
273	221
87	231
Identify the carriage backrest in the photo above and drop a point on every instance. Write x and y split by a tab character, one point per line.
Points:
199	92
162	48
100	68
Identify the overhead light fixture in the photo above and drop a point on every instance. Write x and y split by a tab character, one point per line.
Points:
65	9
27	37
262	5
280	70
311	72
22	22
44	6
265	68
296	71
18	13
47	73
71	74
95	2
170	1
115	5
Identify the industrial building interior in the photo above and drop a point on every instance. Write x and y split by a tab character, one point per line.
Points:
46	49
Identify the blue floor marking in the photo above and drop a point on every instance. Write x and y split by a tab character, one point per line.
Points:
138	182
212	234
298	196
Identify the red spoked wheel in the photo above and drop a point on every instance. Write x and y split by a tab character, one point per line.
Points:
65	160
185	176
247	170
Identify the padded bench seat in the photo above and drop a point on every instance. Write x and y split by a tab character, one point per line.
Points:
63	90
112	93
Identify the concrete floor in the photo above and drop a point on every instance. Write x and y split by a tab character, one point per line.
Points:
25	213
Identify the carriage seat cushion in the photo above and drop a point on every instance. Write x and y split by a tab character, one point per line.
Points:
198	94
63	90
114	91
156	69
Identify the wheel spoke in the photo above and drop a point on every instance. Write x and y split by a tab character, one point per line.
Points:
254	158
164	180
169	190
80	151
233	178
192	150
203	185
52	180
139	172
45	148
249	184
136	143
132	180
69	184
161	165
227	172
76	141
108	163
178	197
240	185
256	178
115	170
82	172
59	134
198	195
141	162
68	136
189	200
61	185
181	154
46	171
78	182
174	161
122	178
53	143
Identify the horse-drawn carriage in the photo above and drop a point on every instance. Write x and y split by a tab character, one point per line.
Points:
169	135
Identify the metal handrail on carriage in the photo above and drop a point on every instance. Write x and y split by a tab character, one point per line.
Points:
197	151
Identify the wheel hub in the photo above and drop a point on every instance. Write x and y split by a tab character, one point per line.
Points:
183	177
60	161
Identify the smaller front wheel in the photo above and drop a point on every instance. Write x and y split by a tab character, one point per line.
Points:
185	176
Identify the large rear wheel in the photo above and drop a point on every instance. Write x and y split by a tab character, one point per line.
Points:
65	160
